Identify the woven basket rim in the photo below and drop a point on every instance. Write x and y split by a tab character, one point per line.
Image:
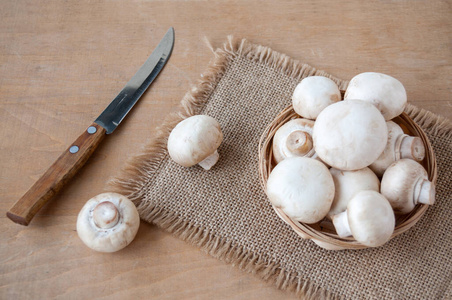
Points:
324	238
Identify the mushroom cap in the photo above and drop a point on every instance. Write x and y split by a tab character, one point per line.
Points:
280	145
313	94
112	237
348	183
350	135
401	185
194	139
371	218
385	92
302	187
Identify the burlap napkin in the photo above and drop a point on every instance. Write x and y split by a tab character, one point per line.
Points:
225	212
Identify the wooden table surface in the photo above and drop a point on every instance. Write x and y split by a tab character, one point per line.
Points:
61	62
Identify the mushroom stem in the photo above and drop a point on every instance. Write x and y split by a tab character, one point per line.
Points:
424	192
340	222
412	147
105	215
299	142
209	161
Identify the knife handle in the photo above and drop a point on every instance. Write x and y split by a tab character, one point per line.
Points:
59	173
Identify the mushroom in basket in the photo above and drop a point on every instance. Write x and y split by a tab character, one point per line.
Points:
293	139
383	91
400	145
313	94
350	135
348	183
405	184
302	188
369	218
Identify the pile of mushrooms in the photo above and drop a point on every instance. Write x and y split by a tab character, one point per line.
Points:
347	162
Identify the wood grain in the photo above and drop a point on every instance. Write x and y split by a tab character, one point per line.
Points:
61	63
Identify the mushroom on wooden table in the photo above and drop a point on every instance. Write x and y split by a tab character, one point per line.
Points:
108	222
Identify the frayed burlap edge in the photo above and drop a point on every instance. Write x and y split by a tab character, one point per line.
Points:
434	124
140	169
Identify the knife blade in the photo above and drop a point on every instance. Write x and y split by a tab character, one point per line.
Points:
76	155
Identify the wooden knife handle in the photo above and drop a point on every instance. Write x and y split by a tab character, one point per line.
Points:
61	171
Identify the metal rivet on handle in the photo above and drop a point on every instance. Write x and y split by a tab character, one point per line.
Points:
91	129
74	149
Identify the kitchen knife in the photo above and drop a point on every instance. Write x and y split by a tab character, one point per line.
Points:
67	165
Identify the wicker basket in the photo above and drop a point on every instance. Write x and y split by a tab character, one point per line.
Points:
323	233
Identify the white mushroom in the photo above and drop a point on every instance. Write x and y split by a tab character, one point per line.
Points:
350	135
108	222
294	138
405	184
313	94
302	187
385	92
400	145
195	141
348	183
369	218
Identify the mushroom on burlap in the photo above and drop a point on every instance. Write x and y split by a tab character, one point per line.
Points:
195	141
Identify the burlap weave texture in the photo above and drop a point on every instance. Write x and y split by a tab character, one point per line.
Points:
225	211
